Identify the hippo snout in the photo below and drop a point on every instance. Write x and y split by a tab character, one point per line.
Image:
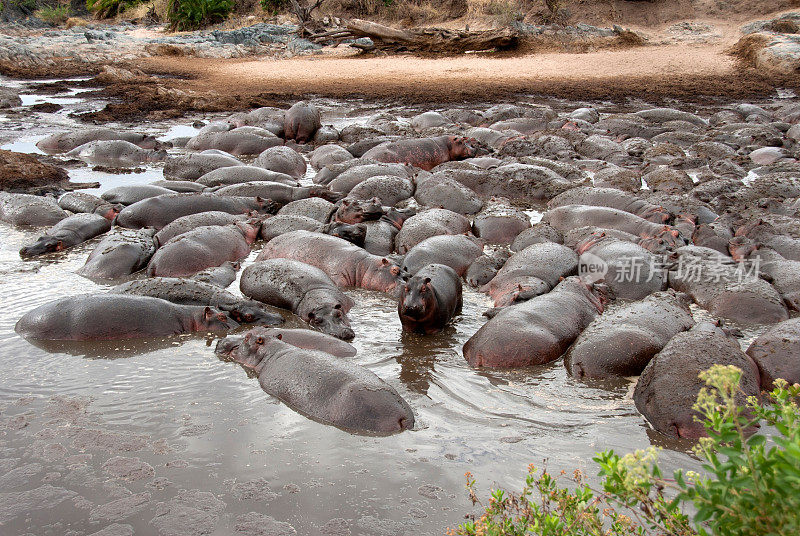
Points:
227	346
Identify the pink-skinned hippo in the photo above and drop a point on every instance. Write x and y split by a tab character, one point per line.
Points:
202	248
119	254
424	153
777	353
669	384
159	211
622	342
69	232
611	198
301	121
325	388
66	141
303	289
430	299
108	317
346	264
537	331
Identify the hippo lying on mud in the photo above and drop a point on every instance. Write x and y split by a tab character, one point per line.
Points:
159	211
121	253
30	210
108	317
330	390
424	153
66	141
67	233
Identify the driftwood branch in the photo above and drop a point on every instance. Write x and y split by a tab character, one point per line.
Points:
303	13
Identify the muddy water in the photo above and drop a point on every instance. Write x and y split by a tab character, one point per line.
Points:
166	438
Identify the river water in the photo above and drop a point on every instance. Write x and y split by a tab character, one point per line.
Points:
166	438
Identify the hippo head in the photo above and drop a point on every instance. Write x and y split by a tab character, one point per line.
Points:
739	247
265	206
417	299
398	217
45	244
331	319
252	312
109	211
356	234
246	350
655	214
383	275
359	210
214	321
147	142
325	193
461	147
249	229
667	238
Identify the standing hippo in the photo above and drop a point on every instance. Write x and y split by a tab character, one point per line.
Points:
667	389
346	264
67	233
777	353
116	153
611	198
433	222
536	331
303	289
330	390
455	251
119	254
424	153
108	317
30	210
622	342
301	122
159	211
202	248
430	299
66	141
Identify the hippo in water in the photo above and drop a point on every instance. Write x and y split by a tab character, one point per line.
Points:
192	292
424	153
30	210
330	390
238	174
220	276
777	353
66	141
192	166
107	317
346	264
455	251
81	202
433	222
116	153
314	340
536	331
301	122
351	210
279	193
430	299
303	289
239	141
128	195
184	224
119	254
67	233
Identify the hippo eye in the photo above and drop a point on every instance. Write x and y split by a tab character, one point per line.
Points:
260	340
222	317
248	317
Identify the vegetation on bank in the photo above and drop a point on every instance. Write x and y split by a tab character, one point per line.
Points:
750	486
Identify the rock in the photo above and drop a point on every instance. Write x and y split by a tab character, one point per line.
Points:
23	173
116	529
9	98
130	469
189	513
120	509
16	503
255	524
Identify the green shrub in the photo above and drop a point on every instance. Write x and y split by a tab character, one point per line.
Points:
750	487
194	14
53	14
104	9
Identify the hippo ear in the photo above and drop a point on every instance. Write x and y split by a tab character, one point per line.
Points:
427	281
59	245
385	261
395	270
279	336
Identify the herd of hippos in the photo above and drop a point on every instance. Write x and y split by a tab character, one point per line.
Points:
418	216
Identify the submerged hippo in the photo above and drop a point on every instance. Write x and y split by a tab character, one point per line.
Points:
346	264
107	317
669	384
314	340
30	210
116	153
119	254
303	289
430	299
67	233
301	121
536	331
424	153
66	141
330	390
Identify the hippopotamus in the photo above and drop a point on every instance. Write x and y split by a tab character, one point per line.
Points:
203	247
350	210
159	211
725	289
444	192
537	331
284	223
225	176
192	166
181	187
622	342
119	254
266	117
238	141
389	189
424	153
116	153
430	299
354	175
381	233
277	192
714	235
313	340
67	233
283	160
538	233
568	217
192	292
667	389
524	182
30	210
355	233
221	276
346	264
301	122
81	202
330	390
303	289
611	198
455	251
783	274
763	233
66	141
328	154
315	208
128	195
500	225
629	270
777	353
184	224
108	317
432	222
535	270
485	268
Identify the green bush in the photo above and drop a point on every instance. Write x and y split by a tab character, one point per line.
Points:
53	15
751	485
104	9
194	14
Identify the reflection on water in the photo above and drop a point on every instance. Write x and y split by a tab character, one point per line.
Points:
73	415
